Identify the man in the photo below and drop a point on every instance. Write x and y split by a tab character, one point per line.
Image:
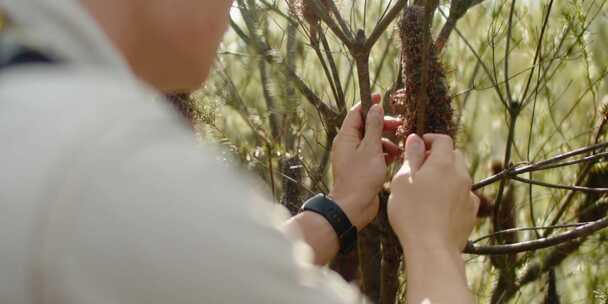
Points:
105	198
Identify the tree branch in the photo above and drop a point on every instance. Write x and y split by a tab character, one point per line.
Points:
508	52
458	8
384	23
557	186
422	96
549	163
345	36
578	232
520	229
341	102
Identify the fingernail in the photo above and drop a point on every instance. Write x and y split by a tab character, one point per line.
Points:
415	140
372	111
376	109
418	141
413	147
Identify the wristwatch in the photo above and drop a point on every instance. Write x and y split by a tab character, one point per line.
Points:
323	205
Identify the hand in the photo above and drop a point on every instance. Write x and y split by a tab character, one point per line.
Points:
359	163
431	204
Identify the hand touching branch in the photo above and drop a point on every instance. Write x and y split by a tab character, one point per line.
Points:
359	162
433	212
359	169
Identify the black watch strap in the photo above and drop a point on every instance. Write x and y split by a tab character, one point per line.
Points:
347	233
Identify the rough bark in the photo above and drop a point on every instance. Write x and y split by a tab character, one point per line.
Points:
369	261
392	254
438	113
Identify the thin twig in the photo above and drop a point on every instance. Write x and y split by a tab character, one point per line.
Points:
485	67
345	37
458	8
261	48
341	21
380	65
521	229
508	52
589	158
578	232
557	186
539	46
326	71
361	56
542	165
384	23
341	102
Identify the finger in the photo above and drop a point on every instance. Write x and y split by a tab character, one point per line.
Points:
404	170
441	146
391	150
353	122
403	156
373	127
414	152
476	203
391	123
461	163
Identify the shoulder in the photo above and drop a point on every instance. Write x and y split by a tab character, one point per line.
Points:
72	89
64	109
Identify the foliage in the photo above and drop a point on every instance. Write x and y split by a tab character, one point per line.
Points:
527	81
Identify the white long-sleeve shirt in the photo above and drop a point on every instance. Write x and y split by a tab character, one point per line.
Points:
106	198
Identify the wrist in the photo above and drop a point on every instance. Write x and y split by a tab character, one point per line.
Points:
350	205
429	250
316	231
435	272
424	255
336	217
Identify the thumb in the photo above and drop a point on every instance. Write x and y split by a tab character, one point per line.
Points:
374	125
414	152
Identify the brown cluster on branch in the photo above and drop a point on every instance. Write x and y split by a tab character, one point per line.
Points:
486	204
594	205
307	10
439	112
486	208
425	107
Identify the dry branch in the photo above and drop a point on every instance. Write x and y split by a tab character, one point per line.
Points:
579	232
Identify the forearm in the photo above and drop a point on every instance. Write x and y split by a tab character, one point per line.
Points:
436	276
317	232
